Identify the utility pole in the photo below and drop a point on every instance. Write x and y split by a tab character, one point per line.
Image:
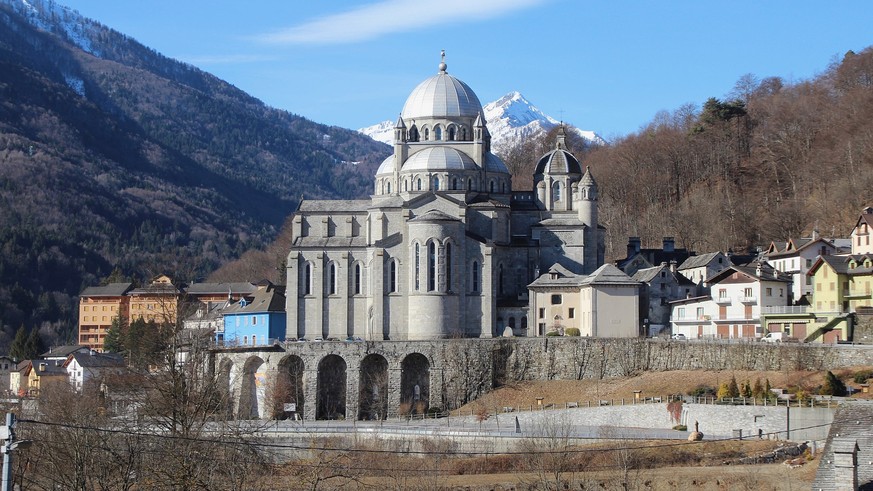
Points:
9	444
7	434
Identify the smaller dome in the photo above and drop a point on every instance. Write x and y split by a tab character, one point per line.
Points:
386	167
558	161
494	164
438	159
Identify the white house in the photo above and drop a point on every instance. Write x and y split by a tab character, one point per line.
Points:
733	309
699	268
797	257
91	366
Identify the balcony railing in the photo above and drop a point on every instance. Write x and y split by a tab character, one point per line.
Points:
749	299
785	309
723	300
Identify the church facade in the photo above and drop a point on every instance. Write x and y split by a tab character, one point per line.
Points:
444	247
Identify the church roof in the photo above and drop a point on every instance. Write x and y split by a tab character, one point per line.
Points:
334	205
441	96
330	242
434	216
438	158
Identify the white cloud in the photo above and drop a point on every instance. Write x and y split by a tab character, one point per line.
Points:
392	16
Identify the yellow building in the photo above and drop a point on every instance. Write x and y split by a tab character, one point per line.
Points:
98	306
158	301
841	286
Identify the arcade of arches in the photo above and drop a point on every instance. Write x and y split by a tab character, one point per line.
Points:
328	381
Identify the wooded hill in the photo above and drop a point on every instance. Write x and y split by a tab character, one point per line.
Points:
115	156
771	160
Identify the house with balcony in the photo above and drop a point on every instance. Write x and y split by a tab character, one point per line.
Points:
98	306
257	321
737	298
796	256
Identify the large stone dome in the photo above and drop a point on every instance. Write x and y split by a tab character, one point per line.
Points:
441	96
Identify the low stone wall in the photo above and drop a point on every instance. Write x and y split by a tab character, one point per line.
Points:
461	370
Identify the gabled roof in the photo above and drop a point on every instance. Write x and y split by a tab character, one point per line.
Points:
795	246
63	351
866	217
702	260
557	276
853	423
608	274
264	301
841	264
110	290
241	288
93	359
334	205
767	273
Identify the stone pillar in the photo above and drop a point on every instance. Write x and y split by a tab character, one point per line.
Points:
394	377
376	296
353	387
292	280
310	391
489	290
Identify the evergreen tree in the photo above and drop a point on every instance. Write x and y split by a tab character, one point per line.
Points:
18	349
747	389
833	386
34	345
733	390
758	389
114	340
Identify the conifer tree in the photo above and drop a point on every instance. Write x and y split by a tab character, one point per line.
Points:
34	345
733	389
758	389
18	349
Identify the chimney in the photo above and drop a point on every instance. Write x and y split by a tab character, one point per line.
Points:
669	244
758	269
633	246
673	265
845	463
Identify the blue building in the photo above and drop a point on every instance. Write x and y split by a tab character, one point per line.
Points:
255	320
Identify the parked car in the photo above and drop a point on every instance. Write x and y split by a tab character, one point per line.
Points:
778	337
678	336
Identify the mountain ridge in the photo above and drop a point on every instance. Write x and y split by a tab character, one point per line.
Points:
510	119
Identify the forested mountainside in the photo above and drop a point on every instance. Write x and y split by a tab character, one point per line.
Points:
113	157
772	160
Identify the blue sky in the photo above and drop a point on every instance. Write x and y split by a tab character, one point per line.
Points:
602	66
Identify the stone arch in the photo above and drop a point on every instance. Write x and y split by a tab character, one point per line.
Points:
252	389
225	382
437	132
451	132
331	388
373	388
288	388
414	384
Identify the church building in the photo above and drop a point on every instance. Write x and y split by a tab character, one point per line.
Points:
444	247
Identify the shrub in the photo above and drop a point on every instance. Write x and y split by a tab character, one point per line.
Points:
702	391
832	386
862	376
553	333
724	391
680	428
572	331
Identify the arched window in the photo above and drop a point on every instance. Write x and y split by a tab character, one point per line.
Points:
245	340
406	185
437	133
307	279
469	184
436	183
449	266
392	273
431	267
512	322
454	183
502	187
254	340
464	134
418	184
500	280
331	280
474	277
389	187
556	191
524	322
426	134
357	279
492	187
451	133
417	266
413	134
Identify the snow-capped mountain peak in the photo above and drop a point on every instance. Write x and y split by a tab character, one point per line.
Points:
510	119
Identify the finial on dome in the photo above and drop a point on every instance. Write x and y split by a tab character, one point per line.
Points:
561	137
442	61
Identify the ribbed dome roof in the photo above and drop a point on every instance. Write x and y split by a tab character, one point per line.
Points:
438	158
385	166
558	161
494	164
441	96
